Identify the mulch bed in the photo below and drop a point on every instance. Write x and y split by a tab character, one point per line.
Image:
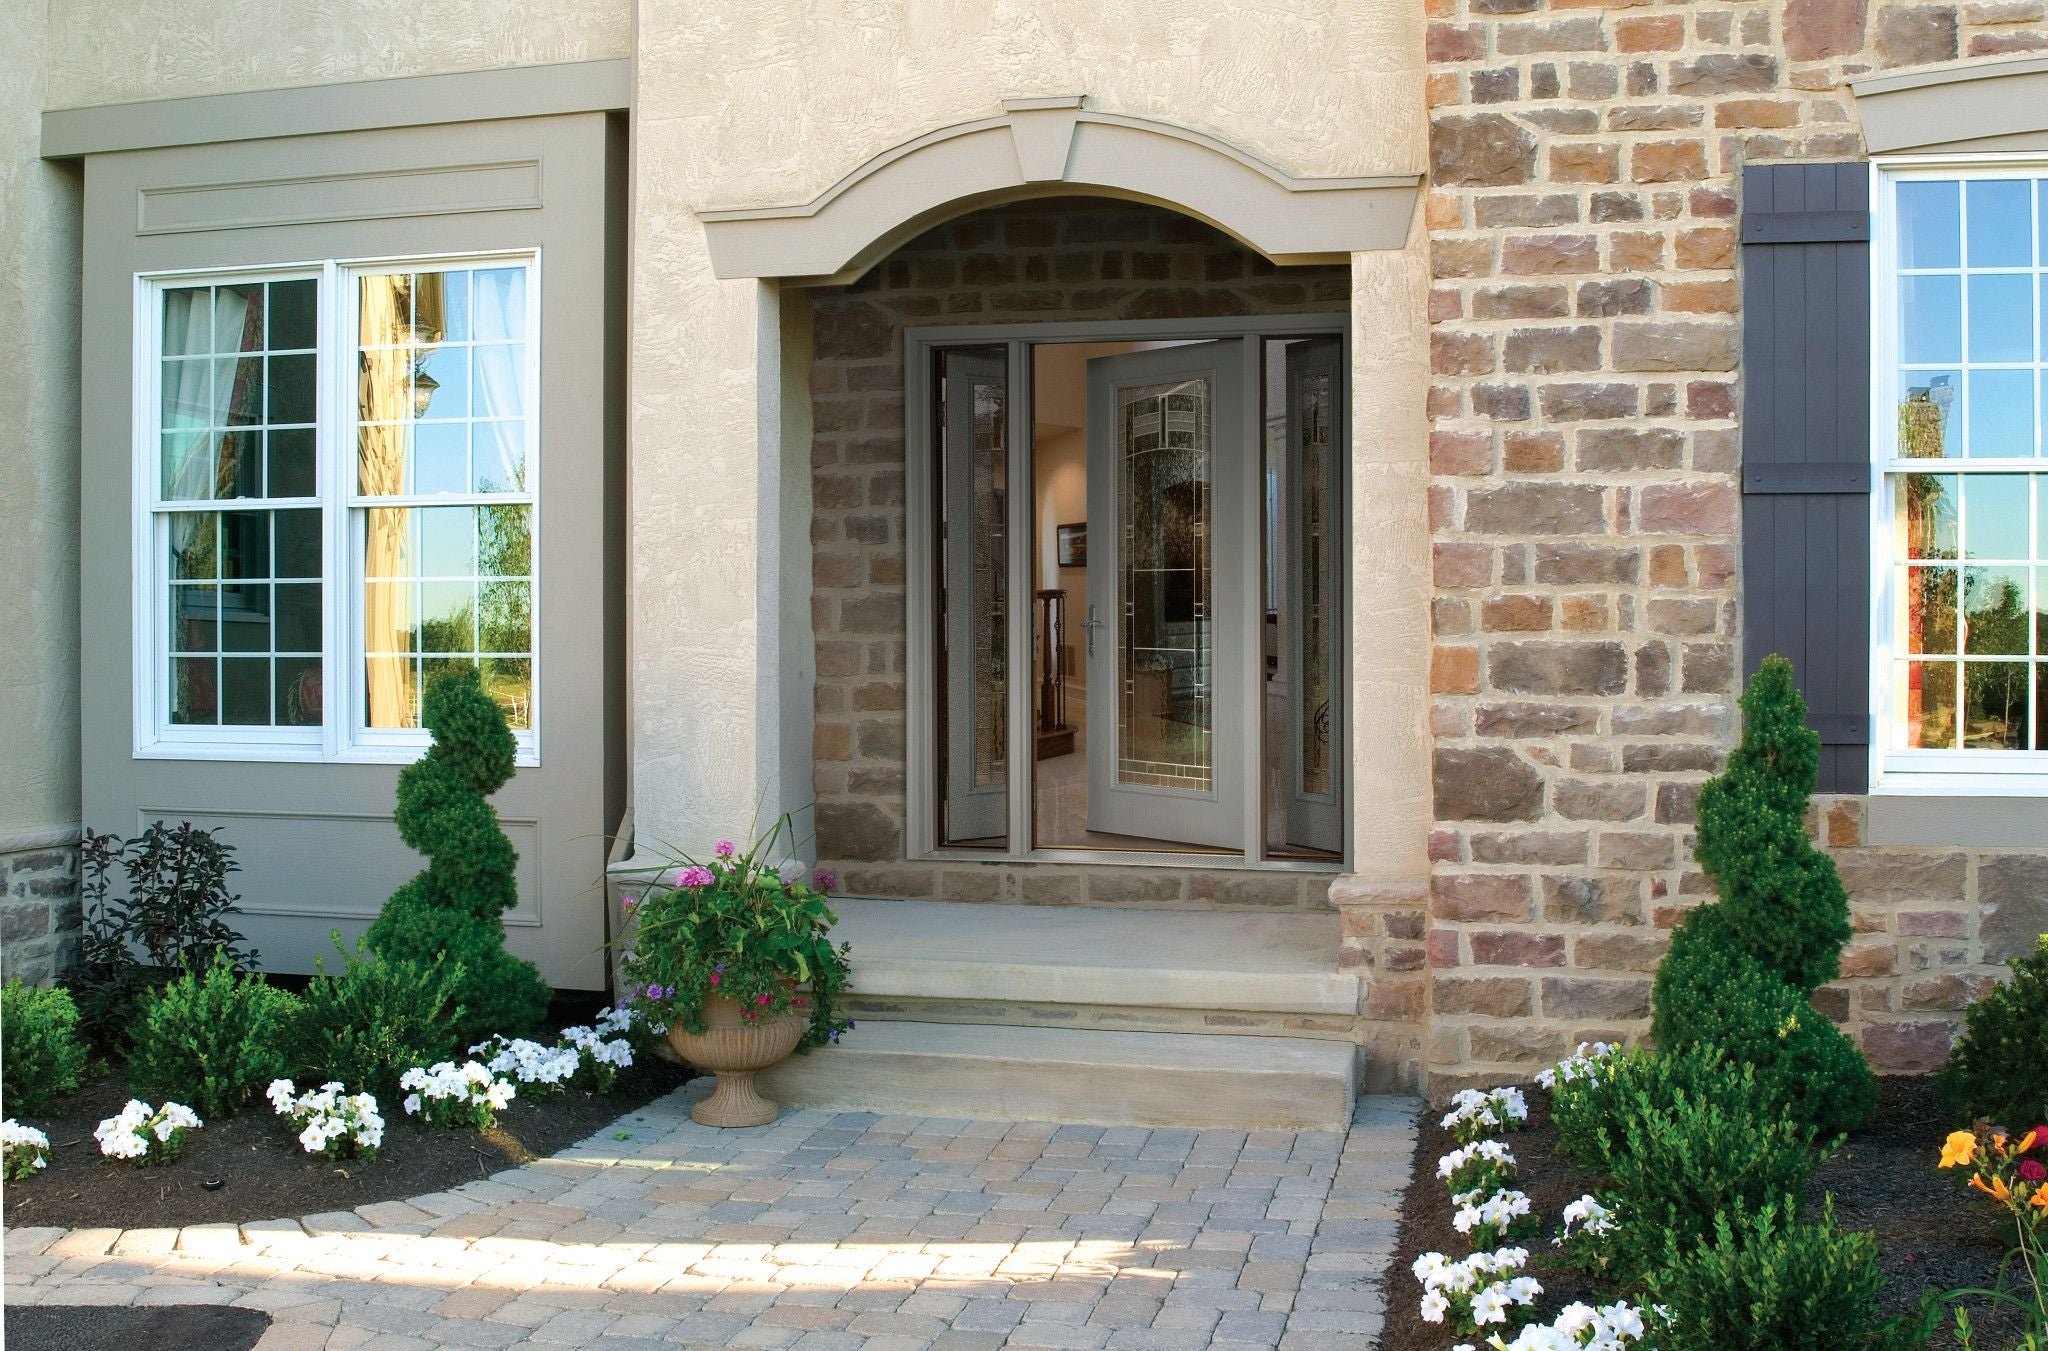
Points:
1883	1179
251	1167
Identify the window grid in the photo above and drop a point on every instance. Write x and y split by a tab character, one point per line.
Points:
1963	619
228	564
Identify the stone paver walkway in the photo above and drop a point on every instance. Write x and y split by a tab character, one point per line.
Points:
823	1231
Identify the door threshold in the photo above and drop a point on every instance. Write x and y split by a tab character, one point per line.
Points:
1137	858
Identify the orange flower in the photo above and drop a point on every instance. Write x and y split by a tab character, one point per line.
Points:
1997	1190
2027	1141
1959	1148
2039	1200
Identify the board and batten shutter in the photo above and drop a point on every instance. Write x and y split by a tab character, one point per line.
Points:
1806	460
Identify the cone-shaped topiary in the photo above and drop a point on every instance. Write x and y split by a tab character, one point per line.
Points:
1739	972
1785	904
452	909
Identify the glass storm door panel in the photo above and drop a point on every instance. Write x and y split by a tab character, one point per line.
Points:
1312	656
974	411
1166	501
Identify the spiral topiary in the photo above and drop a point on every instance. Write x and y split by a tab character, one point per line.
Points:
1740	972
1781	898
452	909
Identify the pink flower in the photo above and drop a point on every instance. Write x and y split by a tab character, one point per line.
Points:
2033	1170
760	999
696	875
825	880
724	849
629	901
715	978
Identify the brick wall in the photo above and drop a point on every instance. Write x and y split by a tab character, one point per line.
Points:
1585	502
1030	262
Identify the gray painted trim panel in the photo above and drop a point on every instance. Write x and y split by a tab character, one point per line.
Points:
363	105
1950	822
1952	107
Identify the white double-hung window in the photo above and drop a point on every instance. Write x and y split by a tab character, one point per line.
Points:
1961	529
337	471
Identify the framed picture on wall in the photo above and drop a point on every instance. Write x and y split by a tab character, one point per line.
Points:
1073	541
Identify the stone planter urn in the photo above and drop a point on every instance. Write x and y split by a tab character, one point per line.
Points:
735	1048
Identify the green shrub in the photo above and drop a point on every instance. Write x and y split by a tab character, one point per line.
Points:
1711	993
452	910
1785	903
212	1041
1994	1071
374	1020
40	1053
1681	1137
1769	1281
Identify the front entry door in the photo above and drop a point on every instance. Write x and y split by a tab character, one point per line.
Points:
1167	617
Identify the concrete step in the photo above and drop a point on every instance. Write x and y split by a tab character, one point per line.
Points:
1072	1075
1071	955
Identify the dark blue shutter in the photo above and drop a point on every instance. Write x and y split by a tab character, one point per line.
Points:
1806	462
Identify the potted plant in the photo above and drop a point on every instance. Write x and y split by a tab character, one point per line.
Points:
735	957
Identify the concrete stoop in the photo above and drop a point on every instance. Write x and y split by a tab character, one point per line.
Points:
1111	1017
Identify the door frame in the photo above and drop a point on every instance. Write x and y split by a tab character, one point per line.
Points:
922	559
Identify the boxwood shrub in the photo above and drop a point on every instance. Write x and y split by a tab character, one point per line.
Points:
41	1054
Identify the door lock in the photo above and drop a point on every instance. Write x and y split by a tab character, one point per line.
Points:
1091	623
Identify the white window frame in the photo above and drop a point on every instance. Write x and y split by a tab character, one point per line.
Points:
1895	768
342	736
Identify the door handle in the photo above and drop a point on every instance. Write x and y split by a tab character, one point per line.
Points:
1091	623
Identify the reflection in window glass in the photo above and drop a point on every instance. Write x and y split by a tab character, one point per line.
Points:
443	398
444	584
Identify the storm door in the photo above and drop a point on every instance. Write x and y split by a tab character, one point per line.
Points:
1167	620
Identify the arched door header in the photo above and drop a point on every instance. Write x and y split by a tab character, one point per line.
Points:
1043	147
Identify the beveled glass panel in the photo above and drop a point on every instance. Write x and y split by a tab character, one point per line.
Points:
971	422
1929	601
1995	611
1995	705
1316	617
1164	574
1927	705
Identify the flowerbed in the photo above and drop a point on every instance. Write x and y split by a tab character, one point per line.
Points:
262	1170
1884	1180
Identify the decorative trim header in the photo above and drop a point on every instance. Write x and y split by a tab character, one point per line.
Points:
1045	147
359	105
1974	105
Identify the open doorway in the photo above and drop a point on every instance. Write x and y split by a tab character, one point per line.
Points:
1169	581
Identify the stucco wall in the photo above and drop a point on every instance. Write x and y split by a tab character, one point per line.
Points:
114	51
758	103
38	457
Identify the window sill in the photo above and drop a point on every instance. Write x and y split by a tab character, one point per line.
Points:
256	752
1910	813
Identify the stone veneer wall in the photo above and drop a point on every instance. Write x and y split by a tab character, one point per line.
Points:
1585	507
40	915
1068	259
